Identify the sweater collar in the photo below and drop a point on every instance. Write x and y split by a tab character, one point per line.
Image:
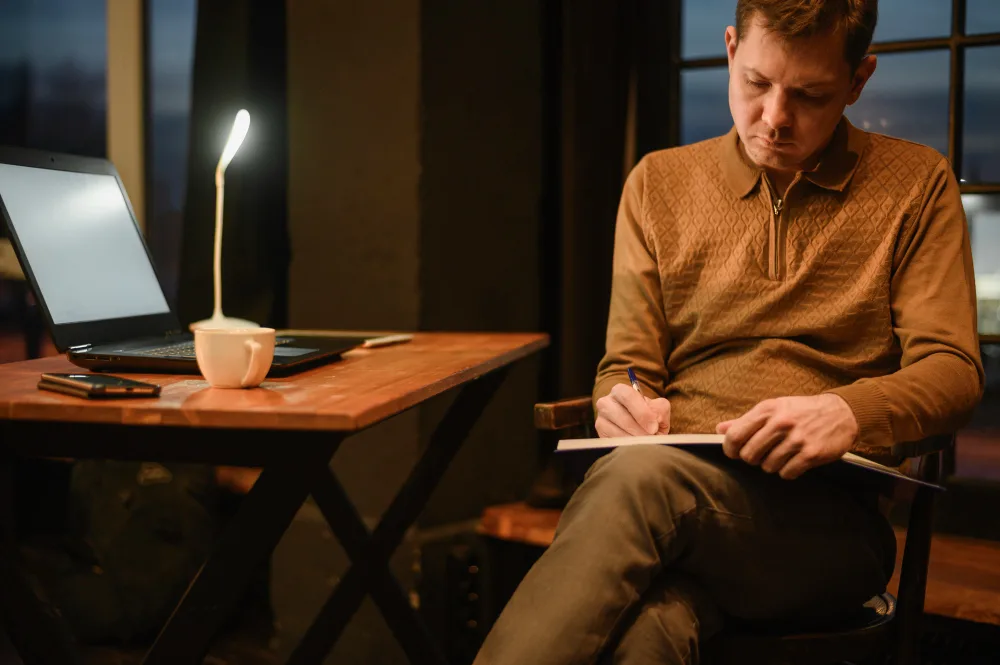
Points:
837	164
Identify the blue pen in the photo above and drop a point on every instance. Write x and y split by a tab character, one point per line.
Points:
635	381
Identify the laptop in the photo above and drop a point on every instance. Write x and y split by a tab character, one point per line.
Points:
74	232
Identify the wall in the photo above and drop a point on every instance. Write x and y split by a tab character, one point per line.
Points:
414	193
480	203
353	82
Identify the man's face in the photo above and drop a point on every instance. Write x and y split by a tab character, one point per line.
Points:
787	97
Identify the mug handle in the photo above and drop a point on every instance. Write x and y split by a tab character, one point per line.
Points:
254	347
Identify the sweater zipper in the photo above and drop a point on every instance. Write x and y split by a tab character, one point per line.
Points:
774	239
777	268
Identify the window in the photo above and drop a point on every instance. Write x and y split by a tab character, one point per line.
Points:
981	134
170	49
904	82
981	17
53	96
53	86
704	103
983	213
937	83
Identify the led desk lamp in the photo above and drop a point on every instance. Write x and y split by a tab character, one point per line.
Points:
236	136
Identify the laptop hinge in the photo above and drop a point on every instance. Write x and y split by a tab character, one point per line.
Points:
79	348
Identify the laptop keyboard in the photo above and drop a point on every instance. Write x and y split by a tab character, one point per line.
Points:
182	350
186	349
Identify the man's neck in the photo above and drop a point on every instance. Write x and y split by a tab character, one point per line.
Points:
780	181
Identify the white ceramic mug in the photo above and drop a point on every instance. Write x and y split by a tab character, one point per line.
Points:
234	357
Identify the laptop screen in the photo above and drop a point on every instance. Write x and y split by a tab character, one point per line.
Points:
81	244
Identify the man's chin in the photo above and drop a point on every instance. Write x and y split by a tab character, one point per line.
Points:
769	159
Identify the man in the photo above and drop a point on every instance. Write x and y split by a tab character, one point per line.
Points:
798	285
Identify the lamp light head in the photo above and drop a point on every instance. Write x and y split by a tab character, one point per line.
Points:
236	136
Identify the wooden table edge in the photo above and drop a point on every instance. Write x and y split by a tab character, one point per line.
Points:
266	421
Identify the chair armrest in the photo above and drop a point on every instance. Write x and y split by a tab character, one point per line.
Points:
564	413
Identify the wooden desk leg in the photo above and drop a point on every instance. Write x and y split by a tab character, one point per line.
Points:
38	635
252	535
370	552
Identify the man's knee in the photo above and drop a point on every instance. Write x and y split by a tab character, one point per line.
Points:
646	486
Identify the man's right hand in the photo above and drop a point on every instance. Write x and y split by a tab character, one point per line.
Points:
624	412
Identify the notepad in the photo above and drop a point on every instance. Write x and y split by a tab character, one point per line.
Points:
685	440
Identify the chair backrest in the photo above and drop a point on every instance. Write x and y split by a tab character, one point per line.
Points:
917	549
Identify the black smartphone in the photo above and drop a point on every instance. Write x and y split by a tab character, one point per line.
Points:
97	386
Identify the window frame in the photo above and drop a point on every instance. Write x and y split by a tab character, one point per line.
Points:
127	125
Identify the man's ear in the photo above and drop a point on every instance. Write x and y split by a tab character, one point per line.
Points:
731	45
861	76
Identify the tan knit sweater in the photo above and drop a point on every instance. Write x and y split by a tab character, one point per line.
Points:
861	285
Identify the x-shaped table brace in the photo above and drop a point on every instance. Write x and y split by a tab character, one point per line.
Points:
268	510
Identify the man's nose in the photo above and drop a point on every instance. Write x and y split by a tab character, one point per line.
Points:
776	114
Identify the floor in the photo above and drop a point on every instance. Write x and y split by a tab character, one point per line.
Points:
963	581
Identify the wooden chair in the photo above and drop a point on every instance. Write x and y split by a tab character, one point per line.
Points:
884	627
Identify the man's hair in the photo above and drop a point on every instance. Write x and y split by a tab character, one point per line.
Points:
794	19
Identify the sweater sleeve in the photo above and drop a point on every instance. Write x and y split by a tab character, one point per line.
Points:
637	333
933	304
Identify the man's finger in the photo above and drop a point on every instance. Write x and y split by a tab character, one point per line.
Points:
742	429
661	409
761	443
636	405
617	414
606	429
796	466
779	456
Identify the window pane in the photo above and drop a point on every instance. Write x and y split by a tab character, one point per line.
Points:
907	97
981	135
982	16
913	19
704	104
983	213
53	86
171	52
703	27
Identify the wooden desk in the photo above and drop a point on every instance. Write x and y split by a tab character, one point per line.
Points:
291	427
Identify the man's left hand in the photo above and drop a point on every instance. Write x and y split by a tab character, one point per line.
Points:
790	435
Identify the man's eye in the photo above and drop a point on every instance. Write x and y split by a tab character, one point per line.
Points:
757	84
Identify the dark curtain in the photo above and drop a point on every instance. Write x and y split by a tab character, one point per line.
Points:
615	102
239	62
611	91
